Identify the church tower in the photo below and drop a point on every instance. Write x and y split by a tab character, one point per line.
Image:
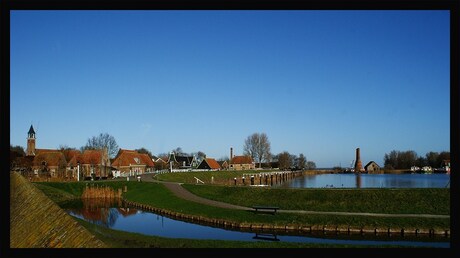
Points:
31	142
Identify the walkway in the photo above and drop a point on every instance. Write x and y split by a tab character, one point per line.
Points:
181	192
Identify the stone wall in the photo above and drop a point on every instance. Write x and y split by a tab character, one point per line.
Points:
37	222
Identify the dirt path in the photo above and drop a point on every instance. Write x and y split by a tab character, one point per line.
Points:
181	192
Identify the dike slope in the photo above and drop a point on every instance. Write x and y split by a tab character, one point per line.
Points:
37	222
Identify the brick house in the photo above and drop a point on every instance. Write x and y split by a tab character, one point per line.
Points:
63	163
130	162
93	163
372	168
241	163
49	163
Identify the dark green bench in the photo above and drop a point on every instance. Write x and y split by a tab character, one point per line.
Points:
269	209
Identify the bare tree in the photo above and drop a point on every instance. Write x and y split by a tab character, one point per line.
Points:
103	140
178	151
284	160
301	161
67	151
311	165
257	146
144	151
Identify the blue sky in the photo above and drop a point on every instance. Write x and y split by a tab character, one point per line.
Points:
321	83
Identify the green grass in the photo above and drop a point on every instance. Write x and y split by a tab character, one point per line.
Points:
156	195
405	201
218	177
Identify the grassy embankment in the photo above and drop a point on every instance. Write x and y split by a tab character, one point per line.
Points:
413	201
161	197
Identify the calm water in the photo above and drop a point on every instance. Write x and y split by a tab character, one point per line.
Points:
149	223
369	181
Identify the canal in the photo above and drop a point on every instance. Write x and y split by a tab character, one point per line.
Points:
115	216
368	181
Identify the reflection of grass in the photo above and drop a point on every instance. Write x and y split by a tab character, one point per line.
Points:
122	239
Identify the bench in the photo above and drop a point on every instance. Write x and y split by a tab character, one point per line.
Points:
269	209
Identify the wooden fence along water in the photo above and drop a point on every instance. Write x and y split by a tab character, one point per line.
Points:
265	178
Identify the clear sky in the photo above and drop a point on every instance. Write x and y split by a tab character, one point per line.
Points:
321	83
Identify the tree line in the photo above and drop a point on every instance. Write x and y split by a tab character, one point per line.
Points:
257	146
407	159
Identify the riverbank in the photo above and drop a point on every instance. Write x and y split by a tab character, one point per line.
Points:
123	239
157	197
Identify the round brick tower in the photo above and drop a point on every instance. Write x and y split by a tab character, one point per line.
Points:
358	163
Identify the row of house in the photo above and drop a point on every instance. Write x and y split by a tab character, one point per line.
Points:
77	165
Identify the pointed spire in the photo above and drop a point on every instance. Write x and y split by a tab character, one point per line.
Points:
31	130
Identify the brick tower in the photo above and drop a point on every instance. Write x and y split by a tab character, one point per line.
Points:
358	163
31	142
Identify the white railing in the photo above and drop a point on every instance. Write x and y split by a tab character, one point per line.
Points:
198	180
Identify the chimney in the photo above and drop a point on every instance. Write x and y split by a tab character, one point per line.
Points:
358	163
231	153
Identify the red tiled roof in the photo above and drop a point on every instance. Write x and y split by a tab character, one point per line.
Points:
131	157
38	151
241	160
147	160
71	153
52	158
75	159
92	157
212	163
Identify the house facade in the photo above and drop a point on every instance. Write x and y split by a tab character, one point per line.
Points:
181	162
372	168
241	163
132	163
223	164
66	163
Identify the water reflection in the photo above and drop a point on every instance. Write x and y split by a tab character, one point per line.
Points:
149	223
265	236
368	181
97	211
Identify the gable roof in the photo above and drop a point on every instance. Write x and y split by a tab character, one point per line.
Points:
87	157
163	159
52	158
131	157
212	163
181	159
92	156
38	151
147	159
241	160
370	163
222	162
